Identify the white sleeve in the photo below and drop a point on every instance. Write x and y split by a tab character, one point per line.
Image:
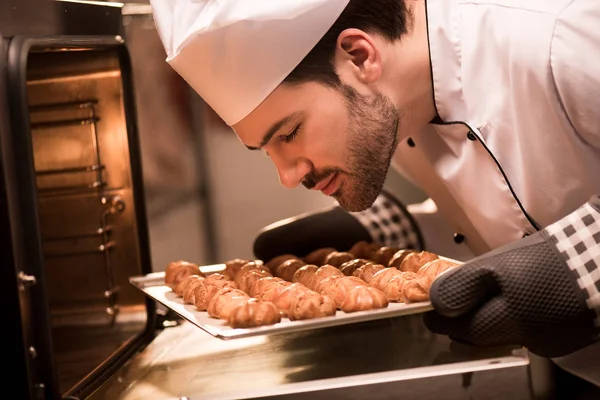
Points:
575	64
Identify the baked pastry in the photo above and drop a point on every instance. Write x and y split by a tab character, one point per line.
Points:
393	287
317	257
252	313
362	298
383	255
205	291
272	291
232	267
436	267
183	284
349	267
251	266
363	249
224	301
262	284
398	257
288	268
381	278
310	305
178	270
283	301
323	272
414	261
337	258
416	290
245	280
367	271
275	261
305	275
338	288
188	294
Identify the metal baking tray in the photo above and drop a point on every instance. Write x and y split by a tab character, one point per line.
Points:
153	285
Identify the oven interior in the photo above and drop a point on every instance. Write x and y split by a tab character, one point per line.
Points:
86	207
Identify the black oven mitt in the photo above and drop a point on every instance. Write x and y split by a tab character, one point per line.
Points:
520	294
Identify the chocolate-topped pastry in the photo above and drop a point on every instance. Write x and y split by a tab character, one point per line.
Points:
183	284
349	267
287	269
188	294
178	270
414	261
362	298
253	312
232	267
224	301
367	271
363	249
274	262
383	255
337	258
317	257
305	275
398	257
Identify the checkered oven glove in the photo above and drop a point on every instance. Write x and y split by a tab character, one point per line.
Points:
541	292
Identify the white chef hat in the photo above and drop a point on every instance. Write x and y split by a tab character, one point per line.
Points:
234	53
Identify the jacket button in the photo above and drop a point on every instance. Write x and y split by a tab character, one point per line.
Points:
410	142
471	136
458	238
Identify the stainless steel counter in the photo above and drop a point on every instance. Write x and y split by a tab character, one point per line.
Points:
385	359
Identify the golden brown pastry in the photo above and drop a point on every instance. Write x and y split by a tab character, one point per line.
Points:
205	291
417	290
284	299
252	313
339	288
362	298
349	267
383	255
232	267
326	285
363	249
305	275
275	261
287	269
398	257
310	305
272	291
323	272
262	284
178	270
224	301
245	280
393	288
188	294
337	258
381	278
435	268
317	257
367	271
414	261
183	284
251	266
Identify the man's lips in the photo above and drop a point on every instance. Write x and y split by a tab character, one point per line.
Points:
321	185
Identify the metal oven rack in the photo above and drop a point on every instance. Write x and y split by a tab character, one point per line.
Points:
87	119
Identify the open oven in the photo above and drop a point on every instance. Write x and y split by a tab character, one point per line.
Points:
74	231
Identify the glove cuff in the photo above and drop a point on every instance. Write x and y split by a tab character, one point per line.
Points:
389	223
577	239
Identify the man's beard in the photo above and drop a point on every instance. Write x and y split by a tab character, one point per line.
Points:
372	138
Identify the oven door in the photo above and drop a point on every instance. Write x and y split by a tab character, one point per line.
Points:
72	211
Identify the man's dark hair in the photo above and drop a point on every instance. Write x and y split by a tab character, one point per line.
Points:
385	17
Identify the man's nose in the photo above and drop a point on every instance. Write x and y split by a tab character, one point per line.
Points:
291	173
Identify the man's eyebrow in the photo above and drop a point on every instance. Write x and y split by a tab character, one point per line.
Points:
273	130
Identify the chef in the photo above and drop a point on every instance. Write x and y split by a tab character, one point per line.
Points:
491	107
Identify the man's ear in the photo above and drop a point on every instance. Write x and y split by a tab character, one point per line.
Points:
357	57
